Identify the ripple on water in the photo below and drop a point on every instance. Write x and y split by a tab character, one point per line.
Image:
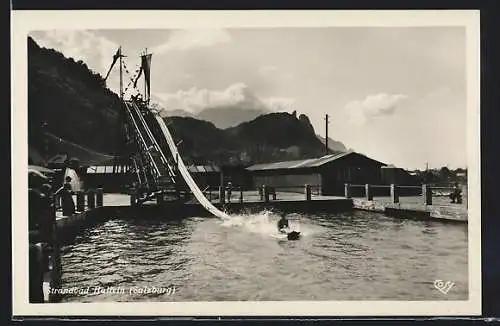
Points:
356	256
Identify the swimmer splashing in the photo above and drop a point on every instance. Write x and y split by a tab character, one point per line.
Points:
284	228
283	225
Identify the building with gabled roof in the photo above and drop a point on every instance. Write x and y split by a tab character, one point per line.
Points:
328	173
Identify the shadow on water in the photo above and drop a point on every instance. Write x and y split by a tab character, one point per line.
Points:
352	256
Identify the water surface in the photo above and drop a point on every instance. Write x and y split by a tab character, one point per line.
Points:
351	256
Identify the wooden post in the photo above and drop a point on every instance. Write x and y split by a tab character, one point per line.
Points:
80	201
222	194
45	223
347	190
159	199
133	198
35	275
65	208
394	194
427	194
308	192
265	191
465	196
99	197
91	198
368	193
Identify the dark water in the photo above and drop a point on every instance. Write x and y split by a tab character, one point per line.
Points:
352	256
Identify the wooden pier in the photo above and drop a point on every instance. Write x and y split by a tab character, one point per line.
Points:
426	206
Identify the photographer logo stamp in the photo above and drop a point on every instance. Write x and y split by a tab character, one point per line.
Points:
442	286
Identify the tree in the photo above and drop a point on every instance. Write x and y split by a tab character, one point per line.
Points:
444	174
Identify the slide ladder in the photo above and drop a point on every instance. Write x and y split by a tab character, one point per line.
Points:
165	171
155	145
152	168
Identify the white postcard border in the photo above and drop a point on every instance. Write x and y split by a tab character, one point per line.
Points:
25	21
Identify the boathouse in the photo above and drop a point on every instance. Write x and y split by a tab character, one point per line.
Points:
212	176
109	177
238	175
205	176
328	174
393	174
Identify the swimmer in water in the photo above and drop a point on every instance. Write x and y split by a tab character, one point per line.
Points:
283	224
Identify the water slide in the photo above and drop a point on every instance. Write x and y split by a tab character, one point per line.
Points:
185	173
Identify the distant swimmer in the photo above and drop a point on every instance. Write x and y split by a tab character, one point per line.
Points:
283	224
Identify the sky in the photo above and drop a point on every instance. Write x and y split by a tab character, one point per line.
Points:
396	94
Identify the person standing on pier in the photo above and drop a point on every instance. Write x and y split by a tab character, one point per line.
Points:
456	194
47	221
66	193
229	190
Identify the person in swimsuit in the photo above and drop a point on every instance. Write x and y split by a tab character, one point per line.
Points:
283	224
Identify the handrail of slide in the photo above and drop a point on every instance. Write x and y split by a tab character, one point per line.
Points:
143	142
185	173
150	134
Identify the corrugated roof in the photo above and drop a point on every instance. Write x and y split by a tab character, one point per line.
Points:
308	163
40	169
202	168
103	169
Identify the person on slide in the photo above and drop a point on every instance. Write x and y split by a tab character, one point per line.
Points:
283	224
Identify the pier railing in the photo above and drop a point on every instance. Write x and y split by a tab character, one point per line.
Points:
394	193
83	201
264	193
413	195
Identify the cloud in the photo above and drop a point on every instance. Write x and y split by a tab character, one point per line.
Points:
374	106
266	70
237	95
279	103
96	51
183	40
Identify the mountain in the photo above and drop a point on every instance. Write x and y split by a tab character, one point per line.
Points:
243	105
222	117
239	104
68	100
177	113
70	110
199	141
334	145
270	137
229	116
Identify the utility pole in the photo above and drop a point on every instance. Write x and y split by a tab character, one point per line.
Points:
115	160
326	133
45	141
121	74
146	100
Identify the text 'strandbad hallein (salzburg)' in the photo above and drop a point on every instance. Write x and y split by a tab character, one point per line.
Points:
96	290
